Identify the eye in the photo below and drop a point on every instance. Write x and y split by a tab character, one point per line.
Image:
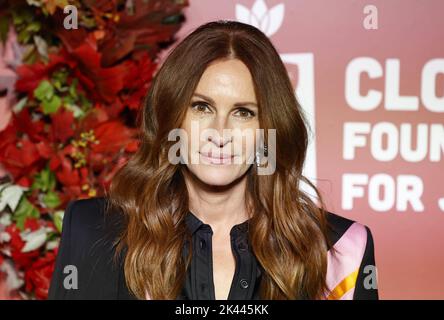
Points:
201	107
245	113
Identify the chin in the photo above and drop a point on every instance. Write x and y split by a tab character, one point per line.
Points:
218	175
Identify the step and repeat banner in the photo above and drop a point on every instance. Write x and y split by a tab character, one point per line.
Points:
370	76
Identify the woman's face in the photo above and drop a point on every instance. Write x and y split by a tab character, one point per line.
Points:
224	99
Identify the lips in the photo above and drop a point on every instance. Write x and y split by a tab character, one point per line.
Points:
221	158
217	156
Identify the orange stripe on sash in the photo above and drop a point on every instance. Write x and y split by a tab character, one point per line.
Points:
344	286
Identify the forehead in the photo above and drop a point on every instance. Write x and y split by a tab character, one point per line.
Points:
227	79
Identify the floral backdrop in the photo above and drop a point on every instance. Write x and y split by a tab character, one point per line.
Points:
70	99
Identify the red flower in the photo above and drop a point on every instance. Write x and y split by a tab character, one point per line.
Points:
113	136
103	83
32	224
142	28
22	260
29	76
62	125
38	276
139	75
112	63
20	156
35	129
85	63
70	176
24	146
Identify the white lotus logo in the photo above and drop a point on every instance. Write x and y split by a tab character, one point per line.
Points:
268	21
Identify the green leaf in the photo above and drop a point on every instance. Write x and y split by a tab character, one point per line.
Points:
23	36
44	91
59	78
44	181
84	103
51	105
42	47
29	55
61	75
87	22
51	200
67	100
58	220
17	17
33	26
174	19
77	112
24	210
73	89
20	105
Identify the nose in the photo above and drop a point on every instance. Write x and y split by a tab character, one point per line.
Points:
221	135
220	140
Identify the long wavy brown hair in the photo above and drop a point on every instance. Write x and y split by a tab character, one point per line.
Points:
287	230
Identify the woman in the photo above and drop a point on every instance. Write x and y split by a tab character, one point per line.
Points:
189	218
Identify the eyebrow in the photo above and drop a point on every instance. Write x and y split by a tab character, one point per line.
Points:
237	104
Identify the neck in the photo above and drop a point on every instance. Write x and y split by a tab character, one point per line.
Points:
221	207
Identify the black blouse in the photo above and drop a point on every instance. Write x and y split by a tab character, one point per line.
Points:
88	244
199	284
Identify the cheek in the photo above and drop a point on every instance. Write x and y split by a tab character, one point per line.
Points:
186	123
247	141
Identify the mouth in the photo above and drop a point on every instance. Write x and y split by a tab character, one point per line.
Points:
221	158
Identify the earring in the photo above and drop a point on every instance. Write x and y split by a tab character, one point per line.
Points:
257	159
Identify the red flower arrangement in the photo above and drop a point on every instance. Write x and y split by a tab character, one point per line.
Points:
76	98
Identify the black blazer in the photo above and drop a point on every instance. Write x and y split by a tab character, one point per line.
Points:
88	244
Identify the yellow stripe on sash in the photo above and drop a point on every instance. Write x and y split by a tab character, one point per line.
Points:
344	286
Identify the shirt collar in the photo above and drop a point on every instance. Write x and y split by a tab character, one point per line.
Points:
194	223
